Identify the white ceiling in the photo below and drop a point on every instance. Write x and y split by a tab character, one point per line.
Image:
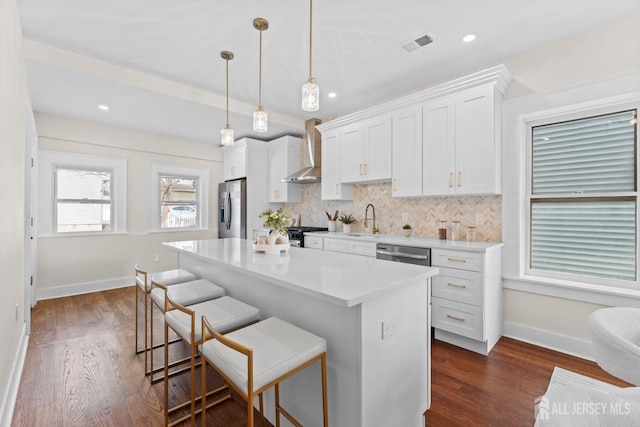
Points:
157	63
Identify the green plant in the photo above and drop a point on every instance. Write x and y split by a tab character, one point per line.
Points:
347	219
277	220
406	227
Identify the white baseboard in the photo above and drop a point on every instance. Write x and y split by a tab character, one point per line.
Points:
84	288
11	392
551	340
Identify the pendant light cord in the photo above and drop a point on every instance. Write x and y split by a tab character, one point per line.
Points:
227	59
310	36
260	74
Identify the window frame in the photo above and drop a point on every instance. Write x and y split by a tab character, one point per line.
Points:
158	170
50	161
557	117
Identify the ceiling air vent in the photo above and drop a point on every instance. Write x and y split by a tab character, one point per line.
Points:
416	43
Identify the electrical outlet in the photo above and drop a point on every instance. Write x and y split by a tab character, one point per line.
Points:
389	326
479	219
405	217
156	258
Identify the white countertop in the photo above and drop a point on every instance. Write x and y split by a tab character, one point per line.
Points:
419	242
342	279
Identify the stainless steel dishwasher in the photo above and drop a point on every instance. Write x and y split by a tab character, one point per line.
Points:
406	254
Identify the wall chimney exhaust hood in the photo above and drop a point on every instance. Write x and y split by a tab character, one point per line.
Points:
312	154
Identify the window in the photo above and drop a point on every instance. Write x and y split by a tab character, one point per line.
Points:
178	198
178	202
82	200
80	194
583	198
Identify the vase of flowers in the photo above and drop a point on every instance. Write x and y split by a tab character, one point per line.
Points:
279	222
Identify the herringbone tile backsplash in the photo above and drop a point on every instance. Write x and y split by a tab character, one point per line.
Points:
485	212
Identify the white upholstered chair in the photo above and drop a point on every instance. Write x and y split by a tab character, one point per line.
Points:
187	293
258	357
226	314
143	284
615	334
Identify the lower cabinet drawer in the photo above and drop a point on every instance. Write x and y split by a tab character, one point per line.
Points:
362	248
459	285
458	318
313	242
336	245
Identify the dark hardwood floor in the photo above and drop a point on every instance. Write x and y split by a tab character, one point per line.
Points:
81	370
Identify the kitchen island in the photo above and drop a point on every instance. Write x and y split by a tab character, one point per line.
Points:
374	315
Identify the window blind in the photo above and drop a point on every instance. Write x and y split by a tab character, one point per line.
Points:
591	155
583	219
595	238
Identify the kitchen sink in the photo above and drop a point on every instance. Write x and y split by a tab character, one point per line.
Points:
362	235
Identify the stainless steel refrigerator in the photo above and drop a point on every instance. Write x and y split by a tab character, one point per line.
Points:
232	209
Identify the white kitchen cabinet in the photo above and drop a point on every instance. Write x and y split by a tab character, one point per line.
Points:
407	152
247	158
356	247
331	187
234	159
365	154
313	242
461	143
466	298
284	156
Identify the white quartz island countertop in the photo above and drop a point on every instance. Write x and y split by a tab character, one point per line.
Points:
342	279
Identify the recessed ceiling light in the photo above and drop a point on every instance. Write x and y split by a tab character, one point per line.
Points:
103	107
332	95
469	38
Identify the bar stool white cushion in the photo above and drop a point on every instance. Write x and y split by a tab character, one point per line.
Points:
278	348
171	277
188	293
168	278
224	314
615	336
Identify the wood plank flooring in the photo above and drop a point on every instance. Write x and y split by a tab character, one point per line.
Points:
81	370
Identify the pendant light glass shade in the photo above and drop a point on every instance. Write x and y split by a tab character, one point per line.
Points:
310	90
260	119
226	134
310	96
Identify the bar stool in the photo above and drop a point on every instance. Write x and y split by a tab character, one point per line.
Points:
187	293
254	358
170	277
226	314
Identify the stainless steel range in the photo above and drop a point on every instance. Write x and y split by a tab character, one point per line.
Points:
296	234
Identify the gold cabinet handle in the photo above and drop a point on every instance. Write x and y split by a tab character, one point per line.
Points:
366	169
337	192
454	285
360	169
233	170
394	184
456	260
458	179
460	319
450	178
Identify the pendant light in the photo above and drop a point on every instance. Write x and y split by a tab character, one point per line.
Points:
260	121
310	90
227	132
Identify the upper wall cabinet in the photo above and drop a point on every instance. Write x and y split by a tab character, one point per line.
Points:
461	151
407	152
365	151
284	156
234	159
331	186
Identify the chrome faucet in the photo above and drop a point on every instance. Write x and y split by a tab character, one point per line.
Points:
374	229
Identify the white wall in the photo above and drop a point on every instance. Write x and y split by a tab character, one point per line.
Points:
14	99
571	71
69	265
